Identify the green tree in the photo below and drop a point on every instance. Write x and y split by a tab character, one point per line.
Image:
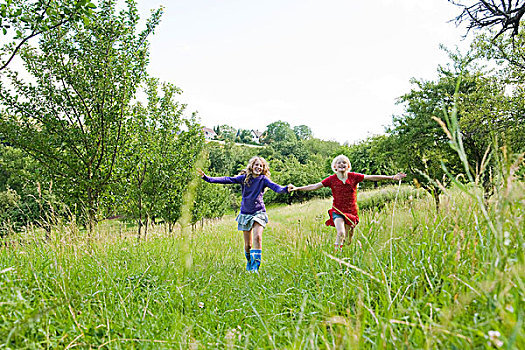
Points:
22	20
70	118
302	132
279	131
291	147
226	132
419	143
244	136
211	202
508	54
159	157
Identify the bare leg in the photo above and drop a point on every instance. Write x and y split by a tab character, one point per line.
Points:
257	235
349	233
341	233
247	240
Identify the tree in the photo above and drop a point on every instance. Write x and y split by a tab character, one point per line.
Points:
302	132
244	136
509	56
505	15
279	131
158	160
226	132
420	144
211	201
23	20
70	119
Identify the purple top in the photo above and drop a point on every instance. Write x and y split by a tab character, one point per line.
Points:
252	195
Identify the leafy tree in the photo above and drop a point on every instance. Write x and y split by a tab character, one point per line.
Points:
211	201
324	149
23	20
279	131
419	142
70	118
228	159
509	56
178	169
291	171
244	136
226	132
302	132
290	147
420	146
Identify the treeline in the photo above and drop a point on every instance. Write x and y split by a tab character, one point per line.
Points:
77	145
489	114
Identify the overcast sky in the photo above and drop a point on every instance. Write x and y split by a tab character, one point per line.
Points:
336	66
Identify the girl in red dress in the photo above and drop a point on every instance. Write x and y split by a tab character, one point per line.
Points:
344	212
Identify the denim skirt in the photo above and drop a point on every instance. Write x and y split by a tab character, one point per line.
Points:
245	221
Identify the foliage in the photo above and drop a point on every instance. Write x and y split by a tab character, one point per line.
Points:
158	159
26	197
291	171
302	132
225	132
70	117
228	159
420	144
24	19
289	148
508	54
211	202
244	136
279	131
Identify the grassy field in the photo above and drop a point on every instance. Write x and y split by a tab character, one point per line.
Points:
412	278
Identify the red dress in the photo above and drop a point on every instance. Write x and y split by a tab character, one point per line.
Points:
345	197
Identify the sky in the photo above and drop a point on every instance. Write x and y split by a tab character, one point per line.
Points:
337	66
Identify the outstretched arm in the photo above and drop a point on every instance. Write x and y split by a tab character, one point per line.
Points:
311	187
395	177
220	180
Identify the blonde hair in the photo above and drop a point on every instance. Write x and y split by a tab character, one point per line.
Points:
343	157
249	169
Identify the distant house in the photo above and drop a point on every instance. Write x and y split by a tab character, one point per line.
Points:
209	134
256	136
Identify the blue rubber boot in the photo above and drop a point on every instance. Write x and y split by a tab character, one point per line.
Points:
249	264
255	255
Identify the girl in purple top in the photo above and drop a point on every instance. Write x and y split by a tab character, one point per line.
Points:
252	218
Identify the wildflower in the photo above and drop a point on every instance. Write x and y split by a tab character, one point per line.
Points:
509	308
494	338
201	305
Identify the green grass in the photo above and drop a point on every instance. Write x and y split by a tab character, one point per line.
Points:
415	279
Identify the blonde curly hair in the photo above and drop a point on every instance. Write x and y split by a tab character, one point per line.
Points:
249	169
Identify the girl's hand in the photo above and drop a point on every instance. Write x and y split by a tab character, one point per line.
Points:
200	172
291	188
399	176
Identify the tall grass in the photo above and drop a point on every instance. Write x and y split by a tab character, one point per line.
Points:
441	290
